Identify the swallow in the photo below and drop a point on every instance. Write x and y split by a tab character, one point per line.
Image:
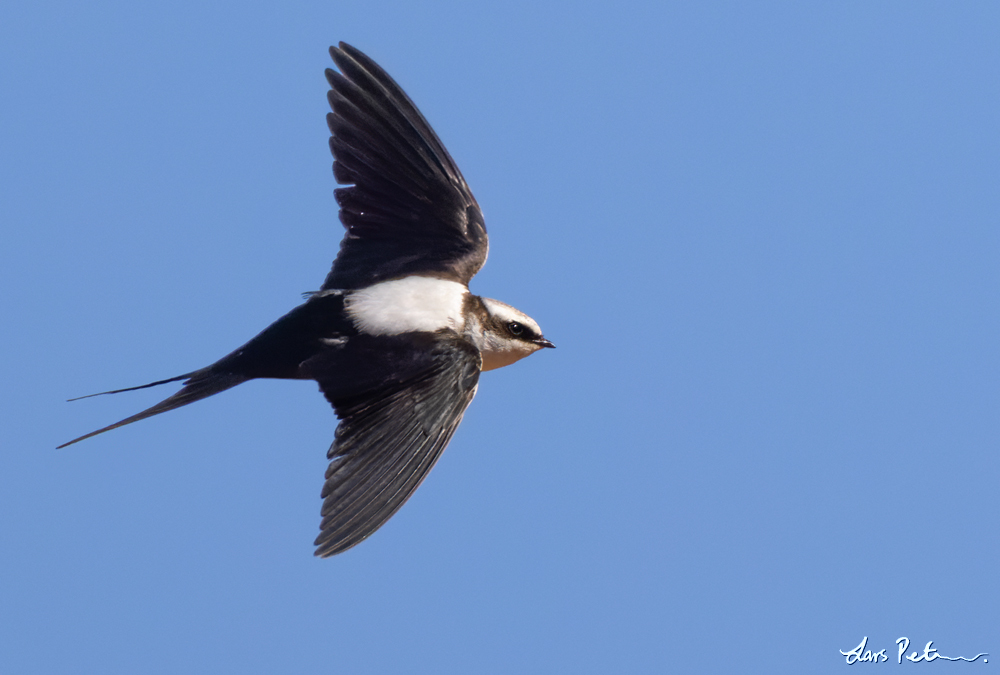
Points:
393	337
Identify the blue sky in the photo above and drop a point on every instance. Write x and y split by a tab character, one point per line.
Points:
765	240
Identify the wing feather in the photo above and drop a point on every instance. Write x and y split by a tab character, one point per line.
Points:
407	209
389	439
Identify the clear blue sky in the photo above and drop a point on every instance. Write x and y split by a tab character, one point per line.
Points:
766	241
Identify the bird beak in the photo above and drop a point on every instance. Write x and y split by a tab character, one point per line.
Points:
542	342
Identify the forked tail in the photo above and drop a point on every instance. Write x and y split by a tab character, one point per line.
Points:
200	384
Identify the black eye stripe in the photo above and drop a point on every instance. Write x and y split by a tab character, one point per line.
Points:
515	328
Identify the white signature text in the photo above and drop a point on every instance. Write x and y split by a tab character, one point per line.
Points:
861	654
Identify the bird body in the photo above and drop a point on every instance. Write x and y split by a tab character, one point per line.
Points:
394	337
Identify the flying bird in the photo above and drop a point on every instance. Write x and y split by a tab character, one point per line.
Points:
393	337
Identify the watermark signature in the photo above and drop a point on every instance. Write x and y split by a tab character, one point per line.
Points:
861	654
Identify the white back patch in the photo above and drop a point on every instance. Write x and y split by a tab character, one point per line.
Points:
406	305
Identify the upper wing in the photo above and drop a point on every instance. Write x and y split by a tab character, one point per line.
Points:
391	436
408	210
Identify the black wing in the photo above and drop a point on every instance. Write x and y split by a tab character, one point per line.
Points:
390	436
408	210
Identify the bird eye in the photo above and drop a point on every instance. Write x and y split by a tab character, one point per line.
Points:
515	328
